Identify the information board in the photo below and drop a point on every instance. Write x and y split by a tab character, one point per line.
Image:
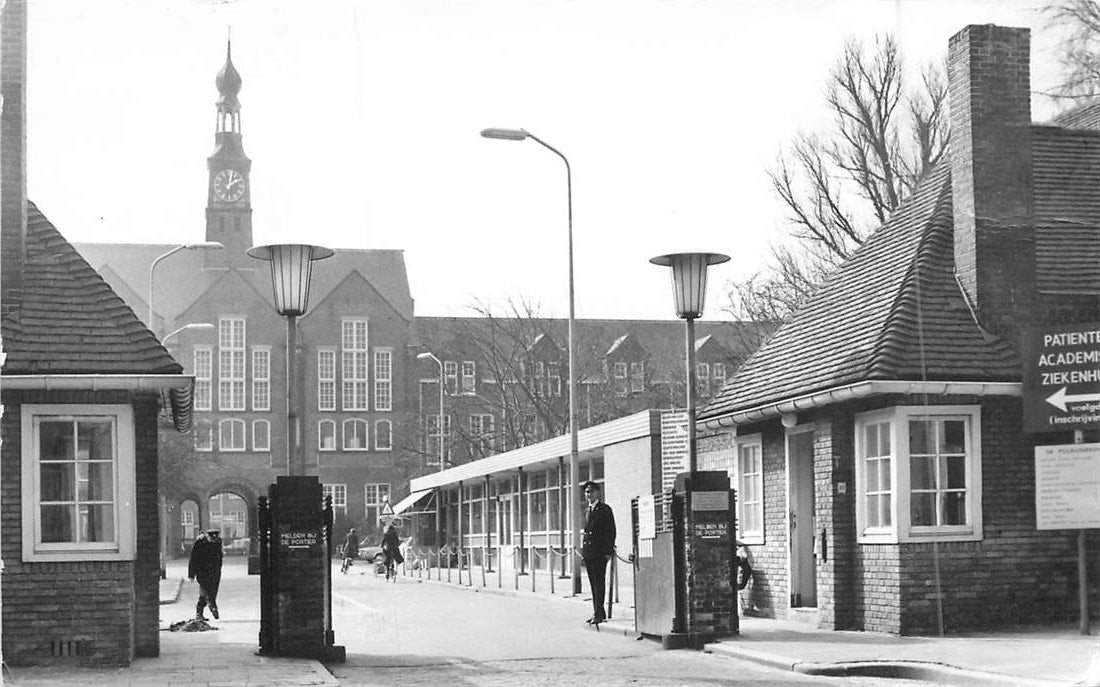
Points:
1067	486
299	539
1061	378
674	446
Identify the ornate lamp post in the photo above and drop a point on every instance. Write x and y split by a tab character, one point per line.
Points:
291	272
689	288
574	508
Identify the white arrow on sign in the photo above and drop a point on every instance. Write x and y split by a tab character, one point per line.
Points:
1060	398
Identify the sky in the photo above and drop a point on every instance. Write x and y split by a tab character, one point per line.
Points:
362	120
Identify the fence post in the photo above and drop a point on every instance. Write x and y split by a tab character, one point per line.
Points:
614	583
515	568
550	567
485	553
534	568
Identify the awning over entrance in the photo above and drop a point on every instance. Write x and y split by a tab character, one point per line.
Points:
410	501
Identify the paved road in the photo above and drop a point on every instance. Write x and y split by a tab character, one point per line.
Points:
410	633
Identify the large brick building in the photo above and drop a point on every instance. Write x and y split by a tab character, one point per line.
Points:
369	410
885	481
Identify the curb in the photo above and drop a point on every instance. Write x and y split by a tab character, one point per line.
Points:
905	670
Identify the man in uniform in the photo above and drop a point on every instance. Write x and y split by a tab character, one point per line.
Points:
205	565
597	548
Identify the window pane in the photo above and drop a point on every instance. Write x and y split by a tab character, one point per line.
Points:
954	508
57	481
885	474
56	440
871	440
57	524
922	510
97	523
956	472
922	472
95	481
954	437
919	437
95	441
872	476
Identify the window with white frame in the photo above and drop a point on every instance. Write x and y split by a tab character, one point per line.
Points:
431	422
374	497
355	435
383	379
231	335
231	435
469	374
620	379
326	435
78	489
718	375
261	378
203	368
383	435
450	376
702	378
750	489
261	436
339	495
354	364
326	379
553	378
637	377
482	431
203	435
918	475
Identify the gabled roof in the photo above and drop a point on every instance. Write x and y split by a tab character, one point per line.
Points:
70	322
893	311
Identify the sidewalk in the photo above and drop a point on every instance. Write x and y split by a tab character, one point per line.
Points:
1043	657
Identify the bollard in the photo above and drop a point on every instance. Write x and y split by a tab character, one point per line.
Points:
614	583
500	569
534	567
484	562
550	568
515	568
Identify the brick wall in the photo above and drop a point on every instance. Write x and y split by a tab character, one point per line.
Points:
990	97
301	584
13	143
96	612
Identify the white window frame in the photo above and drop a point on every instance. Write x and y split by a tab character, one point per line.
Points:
621	379
753	478
261	436
380	445
231	363
637	378
339	494
718	375
702	378
353	363
240	431
321	435
203	432
383	379
124	546
203	365
553	378
450	377
375	495
326	379
469	377
901	529
261	378
354	422
483	431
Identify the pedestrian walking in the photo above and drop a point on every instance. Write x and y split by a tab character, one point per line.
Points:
597	547
391	549
205	565
350	549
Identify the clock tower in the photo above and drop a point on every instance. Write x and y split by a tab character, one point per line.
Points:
229	191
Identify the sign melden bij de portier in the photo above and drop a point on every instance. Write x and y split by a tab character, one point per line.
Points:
1061	378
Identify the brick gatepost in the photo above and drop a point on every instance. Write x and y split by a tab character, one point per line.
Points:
708	555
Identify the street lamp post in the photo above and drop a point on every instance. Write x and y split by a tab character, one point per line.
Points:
689	288
291	272
200	245
574	502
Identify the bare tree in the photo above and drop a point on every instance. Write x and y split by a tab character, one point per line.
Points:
836	186
1078	48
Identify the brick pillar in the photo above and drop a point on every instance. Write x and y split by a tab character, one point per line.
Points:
13	157
834	501
711	593
147	561
299	562
991	178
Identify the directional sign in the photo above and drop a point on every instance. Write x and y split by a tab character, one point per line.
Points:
1062	378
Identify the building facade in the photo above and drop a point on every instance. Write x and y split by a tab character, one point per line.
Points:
885	481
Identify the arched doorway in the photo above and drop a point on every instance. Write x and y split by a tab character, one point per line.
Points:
229	515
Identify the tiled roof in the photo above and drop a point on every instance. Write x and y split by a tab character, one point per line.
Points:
1066	169
70	321
1084	116
893	311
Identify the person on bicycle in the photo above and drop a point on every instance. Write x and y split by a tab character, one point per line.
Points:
351	550
391	549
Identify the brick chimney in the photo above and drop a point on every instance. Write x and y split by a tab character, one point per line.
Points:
991	180
13	147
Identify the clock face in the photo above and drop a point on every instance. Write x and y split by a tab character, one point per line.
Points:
228	186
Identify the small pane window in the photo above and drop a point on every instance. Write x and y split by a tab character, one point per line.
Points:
355	435
326	435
